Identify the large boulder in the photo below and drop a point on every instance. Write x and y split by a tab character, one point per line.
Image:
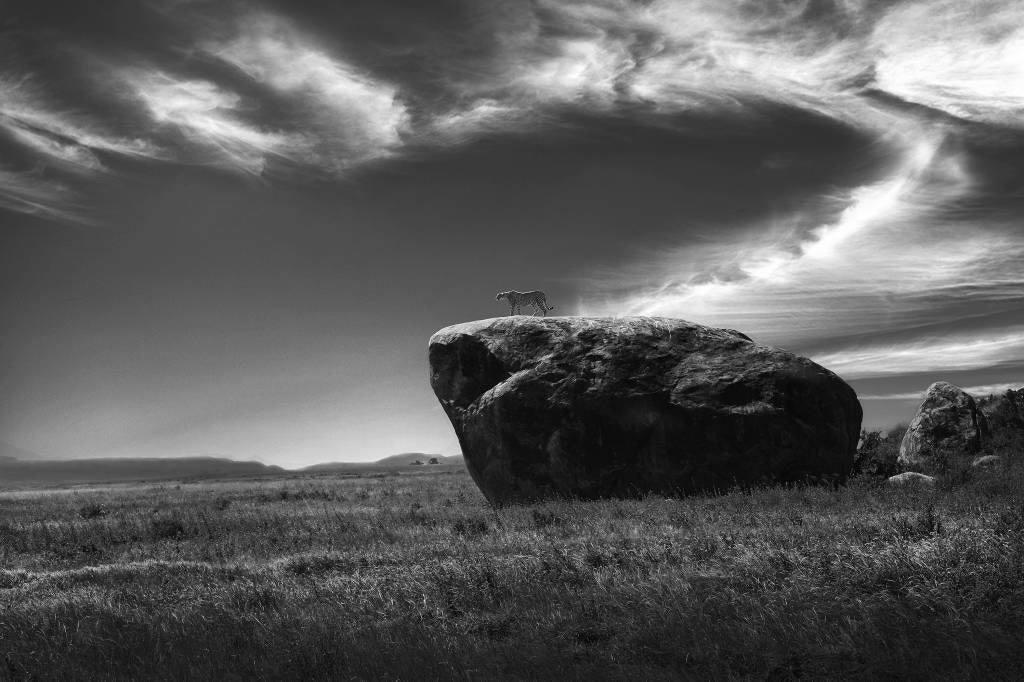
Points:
947	426
596	407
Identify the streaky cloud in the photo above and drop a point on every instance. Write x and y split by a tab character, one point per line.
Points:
966	59
29	192
890	262
60	144
209	119
952	352
353	116
980	391
60	137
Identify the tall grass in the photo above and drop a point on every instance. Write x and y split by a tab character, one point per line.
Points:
415	577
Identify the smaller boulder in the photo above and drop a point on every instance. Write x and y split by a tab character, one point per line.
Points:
986	461
912	478
947	425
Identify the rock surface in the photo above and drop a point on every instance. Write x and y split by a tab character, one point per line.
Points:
986	461
598	407
1004	412
911	478
947	425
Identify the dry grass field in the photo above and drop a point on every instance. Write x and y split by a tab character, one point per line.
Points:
412	576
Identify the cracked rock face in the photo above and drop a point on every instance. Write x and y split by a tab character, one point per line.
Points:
604	407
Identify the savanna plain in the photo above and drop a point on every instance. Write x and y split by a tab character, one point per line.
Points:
411	575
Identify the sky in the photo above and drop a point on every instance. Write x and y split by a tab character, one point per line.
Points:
229	228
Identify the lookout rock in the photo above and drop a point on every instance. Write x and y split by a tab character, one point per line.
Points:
948	424
597	407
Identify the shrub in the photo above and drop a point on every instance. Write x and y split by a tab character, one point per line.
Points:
1010	521
471	527
542	519
92	510
877	452
167	528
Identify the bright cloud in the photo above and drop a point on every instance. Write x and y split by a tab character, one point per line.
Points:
891	260
950	353
32	193
980	391
781	272
59	137
966	59
209	117
56	141
357	116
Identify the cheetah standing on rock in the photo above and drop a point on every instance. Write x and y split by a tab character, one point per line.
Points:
516	300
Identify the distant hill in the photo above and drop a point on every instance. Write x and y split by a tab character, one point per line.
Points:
410	458
400	461
17	471
122	470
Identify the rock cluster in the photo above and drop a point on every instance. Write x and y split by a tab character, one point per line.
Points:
1004	412
594	407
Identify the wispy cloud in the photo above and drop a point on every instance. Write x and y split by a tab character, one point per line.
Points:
54	141
966	59
32	193
209	118
949	353
891	262
870	256
354	116
60	137
677	56
686	55
981	391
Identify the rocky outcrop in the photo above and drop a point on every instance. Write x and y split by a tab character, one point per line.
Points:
1004	413
912	478
947	426
595	407
986	461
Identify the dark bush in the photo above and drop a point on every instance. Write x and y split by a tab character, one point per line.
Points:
542	519
877	452
92	510
1010	521
167	528
471	527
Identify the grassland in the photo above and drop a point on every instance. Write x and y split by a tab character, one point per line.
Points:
416	577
